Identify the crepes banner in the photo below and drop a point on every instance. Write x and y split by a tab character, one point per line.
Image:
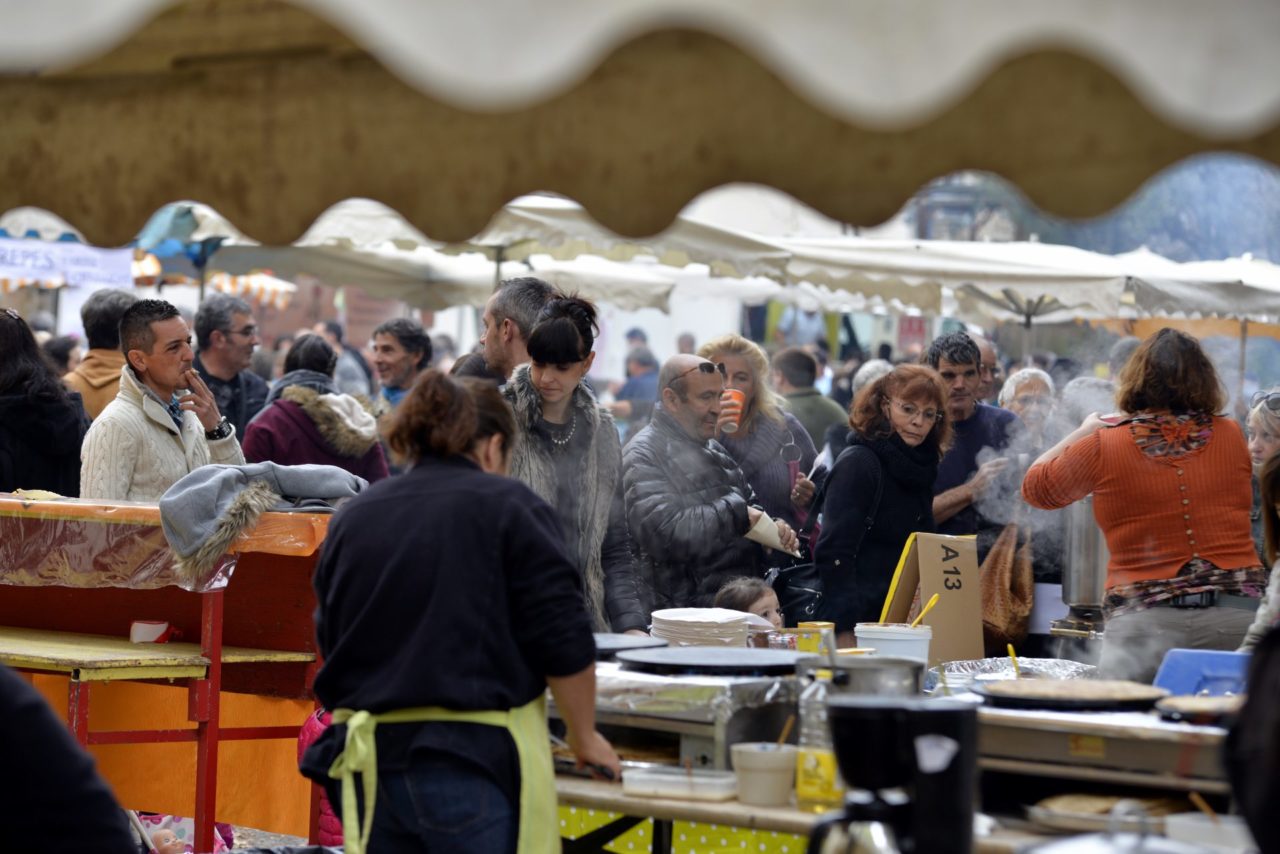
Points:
71	264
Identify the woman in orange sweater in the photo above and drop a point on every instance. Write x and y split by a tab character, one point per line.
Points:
1171	493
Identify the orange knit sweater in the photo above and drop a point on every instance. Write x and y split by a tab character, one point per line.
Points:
1156	513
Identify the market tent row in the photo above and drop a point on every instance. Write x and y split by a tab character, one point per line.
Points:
447	112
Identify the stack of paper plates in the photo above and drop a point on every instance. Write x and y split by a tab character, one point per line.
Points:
701	627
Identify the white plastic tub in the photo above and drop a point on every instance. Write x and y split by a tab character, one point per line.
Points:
896	640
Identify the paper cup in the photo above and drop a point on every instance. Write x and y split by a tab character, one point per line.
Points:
732	402
766	772
897	640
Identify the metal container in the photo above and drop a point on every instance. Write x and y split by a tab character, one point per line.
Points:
866	674
1084	573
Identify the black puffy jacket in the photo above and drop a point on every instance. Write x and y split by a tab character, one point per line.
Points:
686	504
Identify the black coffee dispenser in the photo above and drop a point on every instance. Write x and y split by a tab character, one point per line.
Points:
910	767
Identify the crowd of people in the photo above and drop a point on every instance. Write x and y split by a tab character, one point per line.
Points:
610	511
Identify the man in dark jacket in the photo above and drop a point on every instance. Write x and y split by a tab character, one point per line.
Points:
688	504
227	335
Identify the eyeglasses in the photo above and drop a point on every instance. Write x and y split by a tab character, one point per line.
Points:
705	367
1270	398
248	332
911	411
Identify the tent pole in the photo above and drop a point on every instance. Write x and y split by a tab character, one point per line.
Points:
1244	342
1028	340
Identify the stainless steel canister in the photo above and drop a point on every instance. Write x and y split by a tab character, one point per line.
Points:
1084	573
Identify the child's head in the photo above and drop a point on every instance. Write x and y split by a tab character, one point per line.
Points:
751	595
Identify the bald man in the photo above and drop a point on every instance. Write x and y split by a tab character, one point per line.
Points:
688	504
990	373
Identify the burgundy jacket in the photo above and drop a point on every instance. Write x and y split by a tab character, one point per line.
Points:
297	428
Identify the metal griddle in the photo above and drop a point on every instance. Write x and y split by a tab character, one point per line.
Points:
608	645
712	661
1063	704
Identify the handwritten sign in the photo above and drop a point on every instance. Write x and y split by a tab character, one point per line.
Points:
948	566
72	264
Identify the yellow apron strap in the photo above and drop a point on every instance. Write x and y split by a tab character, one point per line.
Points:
539	832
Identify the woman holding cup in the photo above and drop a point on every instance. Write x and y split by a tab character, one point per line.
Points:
769	444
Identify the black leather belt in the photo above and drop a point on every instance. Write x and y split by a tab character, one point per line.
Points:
1210	599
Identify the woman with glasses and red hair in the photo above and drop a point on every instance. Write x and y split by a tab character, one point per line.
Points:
1170	484
880	491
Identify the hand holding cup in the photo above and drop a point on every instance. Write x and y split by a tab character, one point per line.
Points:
732	402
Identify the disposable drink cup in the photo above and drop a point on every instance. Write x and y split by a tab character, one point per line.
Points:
897	640
732	401
766	772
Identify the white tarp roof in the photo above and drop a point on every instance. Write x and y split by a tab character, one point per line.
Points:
562	228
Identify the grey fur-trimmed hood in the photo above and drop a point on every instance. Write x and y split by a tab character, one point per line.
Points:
204	513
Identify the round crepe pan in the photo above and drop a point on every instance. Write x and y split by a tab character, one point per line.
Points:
712	661
1066	704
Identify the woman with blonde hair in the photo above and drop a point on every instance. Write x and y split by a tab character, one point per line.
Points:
1263	429
1170	484
770	444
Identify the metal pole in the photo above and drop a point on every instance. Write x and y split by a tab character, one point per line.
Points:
1244	343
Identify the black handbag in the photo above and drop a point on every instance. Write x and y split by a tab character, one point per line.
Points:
799	586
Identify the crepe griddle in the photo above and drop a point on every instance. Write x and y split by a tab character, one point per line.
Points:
1065	704
608	645
712	661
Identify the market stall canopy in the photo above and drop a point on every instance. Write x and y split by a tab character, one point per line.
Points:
446	111
38	224
626	286
563	229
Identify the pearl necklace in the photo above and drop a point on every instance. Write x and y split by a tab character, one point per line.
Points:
573	425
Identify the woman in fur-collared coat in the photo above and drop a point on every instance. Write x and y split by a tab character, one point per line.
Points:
570	455
307	420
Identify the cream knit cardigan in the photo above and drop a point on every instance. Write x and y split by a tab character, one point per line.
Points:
134	452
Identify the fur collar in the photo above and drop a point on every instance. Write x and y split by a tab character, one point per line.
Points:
527	403
341	420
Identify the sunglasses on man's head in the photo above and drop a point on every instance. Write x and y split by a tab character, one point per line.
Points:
1270	398
705	367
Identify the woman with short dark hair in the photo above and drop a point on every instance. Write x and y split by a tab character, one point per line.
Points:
42	425
1170	482
880	491
308	420
446	606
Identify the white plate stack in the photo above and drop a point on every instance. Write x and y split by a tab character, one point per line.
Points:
701	627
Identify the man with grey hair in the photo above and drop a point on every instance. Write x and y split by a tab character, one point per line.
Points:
508	319
97	377
1120	353
1028	394
226	335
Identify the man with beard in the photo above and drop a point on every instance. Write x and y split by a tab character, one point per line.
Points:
688	504
981	433
227	335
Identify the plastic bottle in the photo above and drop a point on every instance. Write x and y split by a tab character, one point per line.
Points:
818	784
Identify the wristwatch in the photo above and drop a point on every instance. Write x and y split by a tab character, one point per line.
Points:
222	431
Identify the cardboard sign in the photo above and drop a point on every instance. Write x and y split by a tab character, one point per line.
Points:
948	566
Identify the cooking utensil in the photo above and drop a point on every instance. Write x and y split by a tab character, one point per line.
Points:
1064	704
928	606
603	770
873	674
608	645
711	661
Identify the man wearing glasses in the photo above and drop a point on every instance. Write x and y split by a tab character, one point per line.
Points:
688	504
227	334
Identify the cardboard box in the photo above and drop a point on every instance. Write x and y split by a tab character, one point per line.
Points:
948	566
